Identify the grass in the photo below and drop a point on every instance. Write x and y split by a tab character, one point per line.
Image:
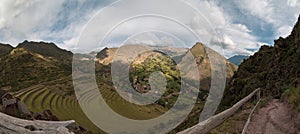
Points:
67	107
292	95
233	125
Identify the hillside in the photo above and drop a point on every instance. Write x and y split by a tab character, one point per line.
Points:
49	50
198	51
39	74
5	49
273	69
21	69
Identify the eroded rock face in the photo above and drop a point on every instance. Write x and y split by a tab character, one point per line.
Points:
12	125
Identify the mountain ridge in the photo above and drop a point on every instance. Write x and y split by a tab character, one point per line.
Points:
201	57
5	49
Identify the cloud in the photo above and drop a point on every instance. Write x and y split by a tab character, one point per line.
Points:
277	13
293	3
240	25
57	21
231	38
24	20
154	39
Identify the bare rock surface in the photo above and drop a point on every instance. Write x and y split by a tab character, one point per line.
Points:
12	125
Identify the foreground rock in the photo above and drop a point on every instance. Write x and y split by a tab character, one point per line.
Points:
12	125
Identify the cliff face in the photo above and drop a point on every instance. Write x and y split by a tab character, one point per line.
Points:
273	69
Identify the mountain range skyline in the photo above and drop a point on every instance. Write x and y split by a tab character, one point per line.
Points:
243	26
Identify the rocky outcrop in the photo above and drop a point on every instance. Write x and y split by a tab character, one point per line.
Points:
12	125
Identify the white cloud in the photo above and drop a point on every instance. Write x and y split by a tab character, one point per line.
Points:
262	9
293	3
153	39
277	13
233	38
22	19
242	27
45	20
37	19
284	31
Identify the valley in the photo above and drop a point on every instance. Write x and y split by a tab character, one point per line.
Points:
46	83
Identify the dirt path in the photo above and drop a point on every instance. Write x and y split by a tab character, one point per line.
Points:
275	118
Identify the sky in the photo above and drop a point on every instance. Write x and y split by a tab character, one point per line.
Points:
242	26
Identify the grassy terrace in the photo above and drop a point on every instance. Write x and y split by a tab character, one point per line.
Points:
41	98
65	108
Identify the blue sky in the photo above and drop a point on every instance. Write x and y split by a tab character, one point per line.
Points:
243	25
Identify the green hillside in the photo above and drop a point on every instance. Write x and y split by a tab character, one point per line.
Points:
274	69
40	74
5	49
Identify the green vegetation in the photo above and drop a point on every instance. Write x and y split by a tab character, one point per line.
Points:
65	108
22	69
271	69
139	76
49	68
292	95
233	125
5	49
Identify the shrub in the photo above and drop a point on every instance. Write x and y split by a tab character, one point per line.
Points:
292	95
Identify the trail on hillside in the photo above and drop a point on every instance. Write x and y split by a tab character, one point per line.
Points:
275	118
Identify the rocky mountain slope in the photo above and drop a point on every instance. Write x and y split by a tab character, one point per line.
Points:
49	50
31	63
198	51
276	70
40	63
5	49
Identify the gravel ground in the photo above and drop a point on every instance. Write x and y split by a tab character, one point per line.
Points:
275	118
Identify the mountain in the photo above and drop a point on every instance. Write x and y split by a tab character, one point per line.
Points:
238	59
105	56
5	49
276	70
199	51
31	63
39	73
49	50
